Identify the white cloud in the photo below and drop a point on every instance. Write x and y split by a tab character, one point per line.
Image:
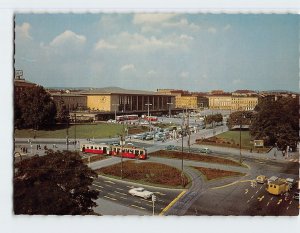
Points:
68	38
151	72
152	18
237	81
212	30
184	74
150	29
23	31
227	27
182	24
128	67
186	37
102	44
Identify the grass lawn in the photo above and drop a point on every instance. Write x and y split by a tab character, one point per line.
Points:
212	173
101	130
235	136
147	173
194	157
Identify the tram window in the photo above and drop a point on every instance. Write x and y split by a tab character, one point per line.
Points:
87	147
141	152
131	151
136	152
91	147
96	148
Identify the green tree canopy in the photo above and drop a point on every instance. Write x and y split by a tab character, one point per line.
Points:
62	115
56	184
277	122
34	108
240	118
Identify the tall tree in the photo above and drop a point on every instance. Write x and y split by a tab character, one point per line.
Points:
277	122
57	183
35	109
62	115
240	118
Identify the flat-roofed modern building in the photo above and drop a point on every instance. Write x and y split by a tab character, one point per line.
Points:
123	100
73	101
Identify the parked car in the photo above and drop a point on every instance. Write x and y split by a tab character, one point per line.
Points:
272	179
205	150
140	192
261	179
170	147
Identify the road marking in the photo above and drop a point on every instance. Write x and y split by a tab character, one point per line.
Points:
260	187
98	185
279	201
233	183
287	208
131	187
138	207
120	189
159	193
290	202
271	198
107	185
257	191
124	194
147	200
108	181
123	198
110	198
248	201
138	202
246	191
99	190
149	205
268	203
252	196
112	194
172	202
260	198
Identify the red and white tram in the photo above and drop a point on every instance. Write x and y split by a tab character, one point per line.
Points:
126	151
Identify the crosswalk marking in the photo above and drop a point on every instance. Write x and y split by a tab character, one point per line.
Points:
98	185
279	201
110	198
124	194
138	207
99	190
108	181
293	160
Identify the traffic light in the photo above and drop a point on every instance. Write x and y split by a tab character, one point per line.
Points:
153	198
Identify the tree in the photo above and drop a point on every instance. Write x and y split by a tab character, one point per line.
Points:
35	109
240	118
277	122
62	115
57	183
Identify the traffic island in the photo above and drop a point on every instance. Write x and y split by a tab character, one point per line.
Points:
147	173
213	174
194	157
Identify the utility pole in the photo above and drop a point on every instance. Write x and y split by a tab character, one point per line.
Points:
149	122
67	136
115	111
182	149
75	143
188	131
169	108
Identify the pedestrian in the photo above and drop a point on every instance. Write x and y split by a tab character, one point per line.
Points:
274	153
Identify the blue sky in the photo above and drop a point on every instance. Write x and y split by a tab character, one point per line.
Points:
196	52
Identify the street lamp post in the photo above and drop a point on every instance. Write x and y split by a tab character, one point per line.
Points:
169	104
241	119
115	111
75	143
148	116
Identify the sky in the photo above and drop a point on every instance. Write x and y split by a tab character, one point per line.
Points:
195	52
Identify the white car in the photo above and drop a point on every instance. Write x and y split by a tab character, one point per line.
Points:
140	192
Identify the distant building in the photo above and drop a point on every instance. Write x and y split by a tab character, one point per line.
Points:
186	100
20	84
73	101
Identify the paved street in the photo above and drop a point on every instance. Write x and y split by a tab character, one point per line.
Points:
115	193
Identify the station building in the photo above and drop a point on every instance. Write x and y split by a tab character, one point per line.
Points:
127	101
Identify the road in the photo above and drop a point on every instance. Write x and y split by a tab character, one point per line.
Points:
115	192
